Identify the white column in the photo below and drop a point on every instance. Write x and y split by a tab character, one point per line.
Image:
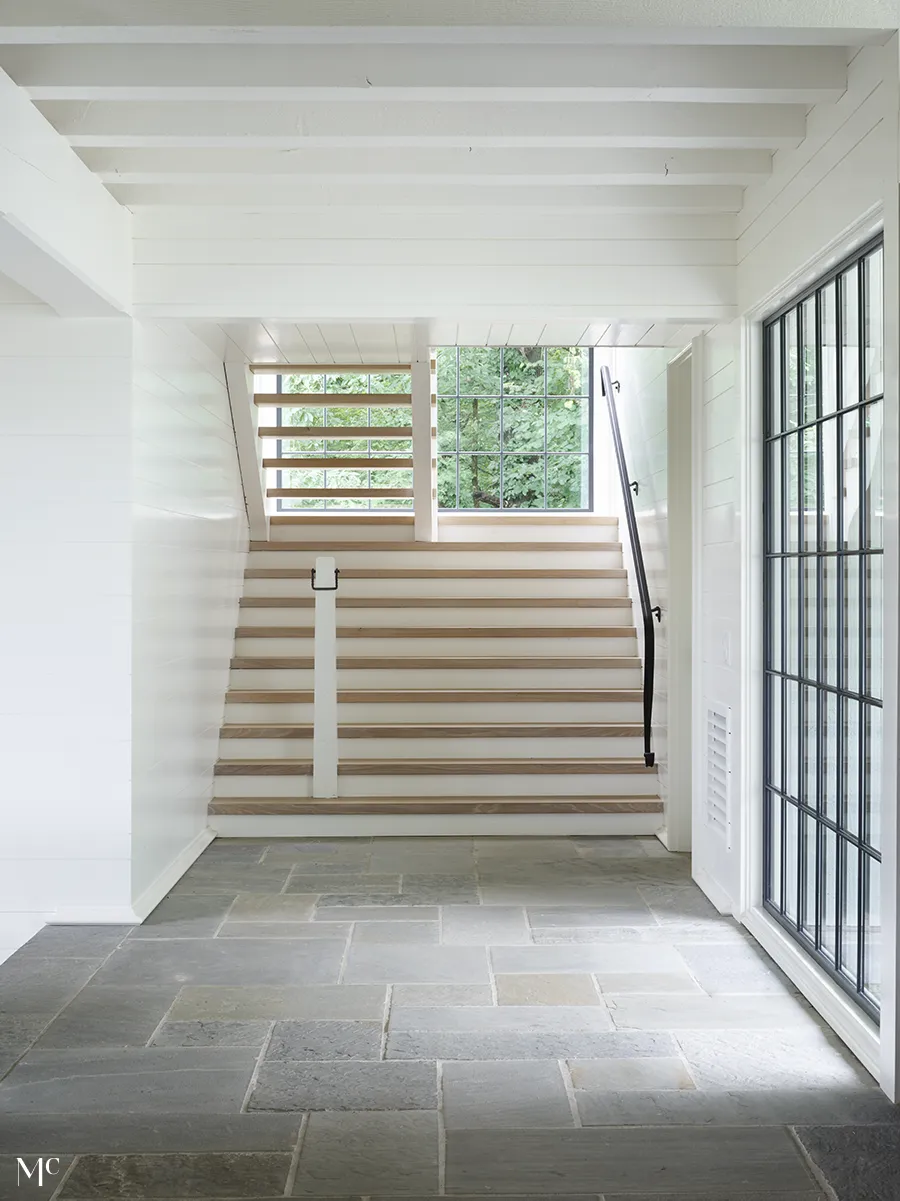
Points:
325	724
424	418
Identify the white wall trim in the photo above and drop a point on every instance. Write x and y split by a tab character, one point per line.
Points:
167	879
846	1019
698	723
719	896
436	825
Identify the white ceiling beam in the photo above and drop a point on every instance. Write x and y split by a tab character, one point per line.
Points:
70	18
519	168
551	199
61	235
729	74
142	125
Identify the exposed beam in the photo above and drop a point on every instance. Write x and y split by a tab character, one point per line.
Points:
298	194
143	125
709	74
61	235
561	168
64	20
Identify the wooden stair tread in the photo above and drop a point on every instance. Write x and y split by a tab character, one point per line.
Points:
263	767
462	547
430	696
345	631
418	663
493	767
513	517
330	520
442	602
439	730
261	806
443	573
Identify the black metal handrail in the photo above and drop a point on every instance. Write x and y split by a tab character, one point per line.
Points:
648	612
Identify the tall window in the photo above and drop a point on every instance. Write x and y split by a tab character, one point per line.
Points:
824	538
514	427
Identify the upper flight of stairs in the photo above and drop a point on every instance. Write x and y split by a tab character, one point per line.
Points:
474	675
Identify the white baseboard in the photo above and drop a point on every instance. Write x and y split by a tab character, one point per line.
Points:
848	1022
434	825
167	879
716	893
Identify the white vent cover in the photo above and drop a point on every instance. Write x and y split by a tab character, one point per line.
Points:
718	770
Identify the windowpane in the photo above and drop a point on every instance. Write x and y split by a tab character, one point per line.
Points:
568	481
568	370
523	482
874	324
851	735
872	931
832	486
808	401
479	481
524	426
568	426
792	365
523	372
874	475
851	623
849	909
808	856
850	336
446	370
775	512
828	379
830	618
872	626
872	798
811	622
830	776
446	481
479	371
829	894
773	840
792	703
479	424
791	861
773	409
774	601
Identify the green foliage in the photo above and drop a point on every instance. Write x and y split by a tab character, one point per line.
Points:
501	411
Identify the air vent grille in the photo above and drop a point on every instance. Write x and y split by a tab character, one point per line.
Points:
718	770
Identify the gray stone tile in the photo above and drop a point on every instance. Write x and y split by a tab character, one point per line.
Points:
610	957
366	900
332	858
271	1003
858	1162
627	913
259	907
222	961
540	895
230	881
414	965
212	1034
718	1107
27	1179
185	917
742	968
323	1040
708	1013
516	1044
486	1019
680	903
342	1085
75	942
610	848
109	1017
121	1133
771	1059
671	934
369	1153
402	932
448	864
17	1034
499	1095
362	913
305	929
149	1080
32	986
718	1195
430	882
332	882
554	989
416	996
691	1161
630	1075
483	925
184	1176
625	983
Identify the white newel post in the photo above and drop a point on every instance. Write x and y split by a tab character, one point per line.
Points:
325	721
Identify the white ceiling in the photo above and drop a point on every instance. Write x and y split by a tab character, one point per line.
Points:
273	342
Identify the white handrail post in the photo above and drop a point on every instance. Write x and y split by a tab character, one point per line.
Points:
424	444
325	718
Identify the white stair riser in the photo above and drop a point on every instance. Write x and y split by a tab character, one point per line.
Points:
400	677
495	747
407	648
447	616
523	531
388	713
550	785
555	785
364	531
442	587
460	556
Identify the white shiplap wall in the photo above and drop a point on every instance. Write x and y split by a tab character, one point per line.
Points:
65	613
190	541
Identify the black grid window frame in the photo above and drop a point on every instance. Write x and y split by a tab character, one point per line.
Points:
502	453
818	770
335	504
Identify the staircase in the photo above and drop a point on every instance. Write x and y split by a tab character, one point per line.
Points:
475	675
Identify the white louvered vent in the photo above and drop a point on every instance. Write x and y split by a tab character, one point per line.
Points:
718	770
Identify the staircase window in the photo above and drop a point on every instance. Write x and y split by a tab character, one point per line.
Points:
824	520
514	427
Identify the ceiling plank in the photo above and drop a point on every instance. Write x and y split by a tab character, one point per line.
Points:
709	74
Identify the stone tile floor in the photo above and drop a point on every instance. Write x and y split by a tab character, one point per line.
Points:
414	1018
